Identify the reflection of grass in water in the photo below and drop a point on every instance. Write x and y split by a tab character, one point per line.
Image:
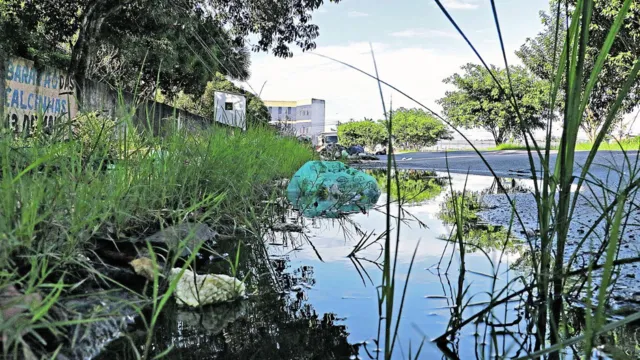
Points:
469	205
476	233
416	186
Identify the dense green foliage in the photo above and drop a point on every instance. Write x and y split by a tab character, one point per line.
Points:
257	112
537	54
211	162
479	102
416	128
181	43
367	133
58	198
412	129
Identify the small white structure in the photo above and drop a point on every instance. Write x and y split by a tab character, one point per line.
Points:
230	109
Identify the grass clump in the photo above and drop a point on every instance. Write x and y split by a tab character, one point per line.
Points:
512	146
629	144
107	181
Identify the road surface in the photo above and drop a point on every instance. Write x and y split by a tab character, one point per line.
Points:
507	163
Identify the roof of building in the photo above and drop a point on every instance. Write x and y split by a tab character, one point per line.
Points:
290	103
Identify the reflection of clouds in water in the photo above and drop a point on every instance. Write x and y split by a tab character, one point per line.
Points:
334	239
345	289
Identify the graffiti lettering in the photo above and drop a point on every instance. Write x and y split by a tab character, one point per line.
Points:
36	97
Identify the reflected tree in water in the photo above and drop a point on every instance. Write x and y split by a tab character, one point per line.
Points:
478	234
416	186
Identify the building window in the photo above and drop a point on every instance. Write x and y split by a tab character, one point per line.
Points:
228	106
279	110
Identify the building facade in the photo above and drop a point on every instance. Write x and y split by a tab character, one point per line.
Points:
305	117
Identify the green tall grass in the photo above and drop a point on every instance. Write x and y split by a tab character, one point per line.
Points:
629	144
111	181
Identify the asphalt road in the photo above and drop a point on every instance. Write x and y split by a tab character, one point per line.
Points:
508	163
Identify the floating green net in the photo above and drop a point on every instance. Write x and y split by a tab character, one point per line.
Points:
330	189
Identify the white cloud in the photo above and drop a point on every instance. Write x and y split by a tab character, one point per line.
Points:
355	14
460	4
424	33
418	71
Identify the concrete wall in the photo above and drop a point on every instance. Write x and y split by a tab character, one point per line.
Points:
27	92
159	117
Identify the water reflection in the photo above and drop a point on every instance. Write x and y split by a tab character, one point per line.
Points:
278	322
316	293
416	186
477	233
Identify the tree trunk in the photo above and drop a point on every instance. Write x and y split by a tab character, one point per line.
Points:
90	26
590	125
79	48
498	136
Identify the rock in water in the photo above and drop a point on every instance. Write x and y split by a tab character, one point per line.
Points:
330	189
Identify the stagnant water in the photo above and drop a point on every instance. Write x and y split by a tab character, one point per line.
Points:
315	301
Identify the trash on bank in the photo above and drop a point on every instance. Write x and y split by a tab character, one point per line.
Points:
330	189
193	289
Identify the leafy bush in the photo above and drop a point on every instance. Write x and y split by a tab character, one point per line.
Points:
415	128
367	133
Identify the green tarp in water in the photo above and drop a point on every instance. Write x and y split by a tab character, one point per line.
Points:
330	189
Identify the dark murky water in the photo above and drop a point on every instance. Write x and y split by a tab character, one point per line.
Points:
317	302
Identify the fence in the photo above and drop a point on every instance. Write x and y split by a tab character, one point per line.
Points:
460	144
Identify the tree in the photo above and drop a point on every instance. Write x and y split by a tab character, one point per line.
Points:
276	23
366	133
537	54
415	128
175	51
133	44
257	112
180	34
478	102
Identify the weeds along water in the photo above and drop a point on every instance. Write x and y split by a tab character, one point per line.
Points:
61	195
556	193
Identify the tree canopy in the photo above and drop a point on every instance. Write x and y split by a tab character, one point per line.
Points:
416	128
366	133
478	102
537	54
412	128
182	43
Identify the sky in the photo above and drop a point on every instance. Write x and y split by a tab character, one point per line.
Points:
415	48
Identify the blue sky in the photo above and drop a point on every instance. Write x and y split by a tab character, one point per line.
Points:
415	46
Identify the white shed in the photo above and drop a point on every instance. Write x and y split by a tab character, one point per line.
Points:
230	109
